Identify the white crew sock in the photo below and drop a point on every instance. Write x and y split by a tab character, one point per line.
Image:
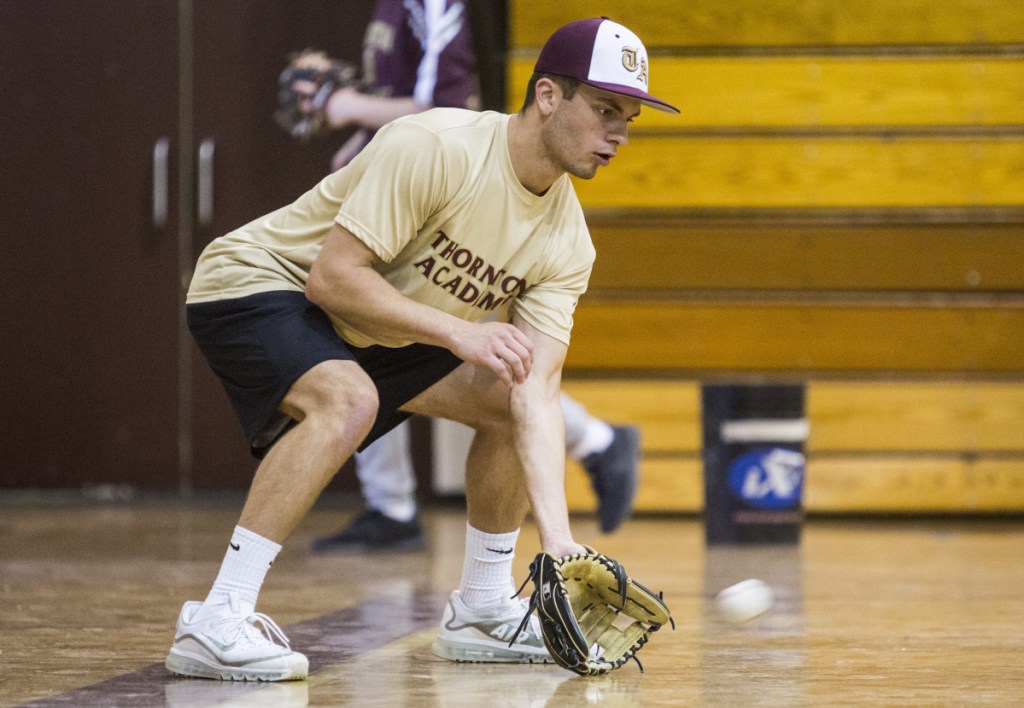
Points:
245	565
487	568
404	511
584	434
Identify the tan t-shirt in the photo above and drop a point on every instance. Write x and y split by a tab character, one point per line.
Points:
435	197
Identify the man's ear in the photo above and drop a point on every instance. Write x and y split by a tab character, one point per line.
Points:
547	93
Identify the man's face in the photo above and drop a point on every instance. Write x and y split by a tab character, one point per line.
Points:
586	132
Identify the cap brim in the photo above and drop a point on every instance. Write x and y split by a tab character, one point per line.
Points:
644	97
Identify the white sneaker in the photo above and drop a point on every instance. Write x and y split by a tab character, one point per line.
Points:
484	635
224	642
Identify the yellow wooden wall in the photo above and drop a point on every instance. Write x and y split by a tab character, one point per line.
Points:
841	202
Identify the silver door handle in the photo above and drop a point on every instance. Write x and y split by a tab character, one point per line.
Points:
161	186
204	204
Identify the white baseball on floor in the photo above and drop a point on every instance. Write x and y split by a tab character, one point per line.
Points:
744	601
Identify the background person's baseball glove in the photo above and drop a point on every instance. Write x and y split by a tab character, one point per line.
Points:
304	87
593	616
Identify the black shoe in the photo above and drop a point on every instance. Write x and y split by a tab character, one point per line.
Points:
614	476
372	531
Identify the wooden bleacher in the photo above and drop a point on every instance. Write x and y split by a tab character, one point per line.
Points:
840	203
703	25
874	446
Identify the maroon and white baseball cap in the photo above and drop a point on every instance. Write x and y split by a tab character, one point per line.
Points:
602	54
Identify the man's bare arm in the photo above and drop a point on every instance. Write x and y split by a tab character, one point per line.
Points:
539	432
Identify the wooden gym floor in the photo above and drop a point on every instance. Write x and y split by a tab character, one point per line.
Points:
869	613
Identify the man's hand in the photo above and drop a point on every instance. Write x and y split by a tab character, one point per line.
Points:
501	347
563	548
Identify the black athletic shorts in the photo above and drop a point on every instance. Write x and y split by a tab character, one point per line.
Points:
261	344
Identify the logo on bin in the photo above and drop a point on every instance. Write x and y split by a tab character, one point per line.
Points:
769	478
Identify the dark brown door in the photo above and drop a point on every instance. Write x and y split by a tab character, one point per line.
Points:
93	215
88	99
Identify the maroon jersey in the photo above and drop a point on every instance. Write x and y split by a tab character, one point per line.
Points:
423	49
